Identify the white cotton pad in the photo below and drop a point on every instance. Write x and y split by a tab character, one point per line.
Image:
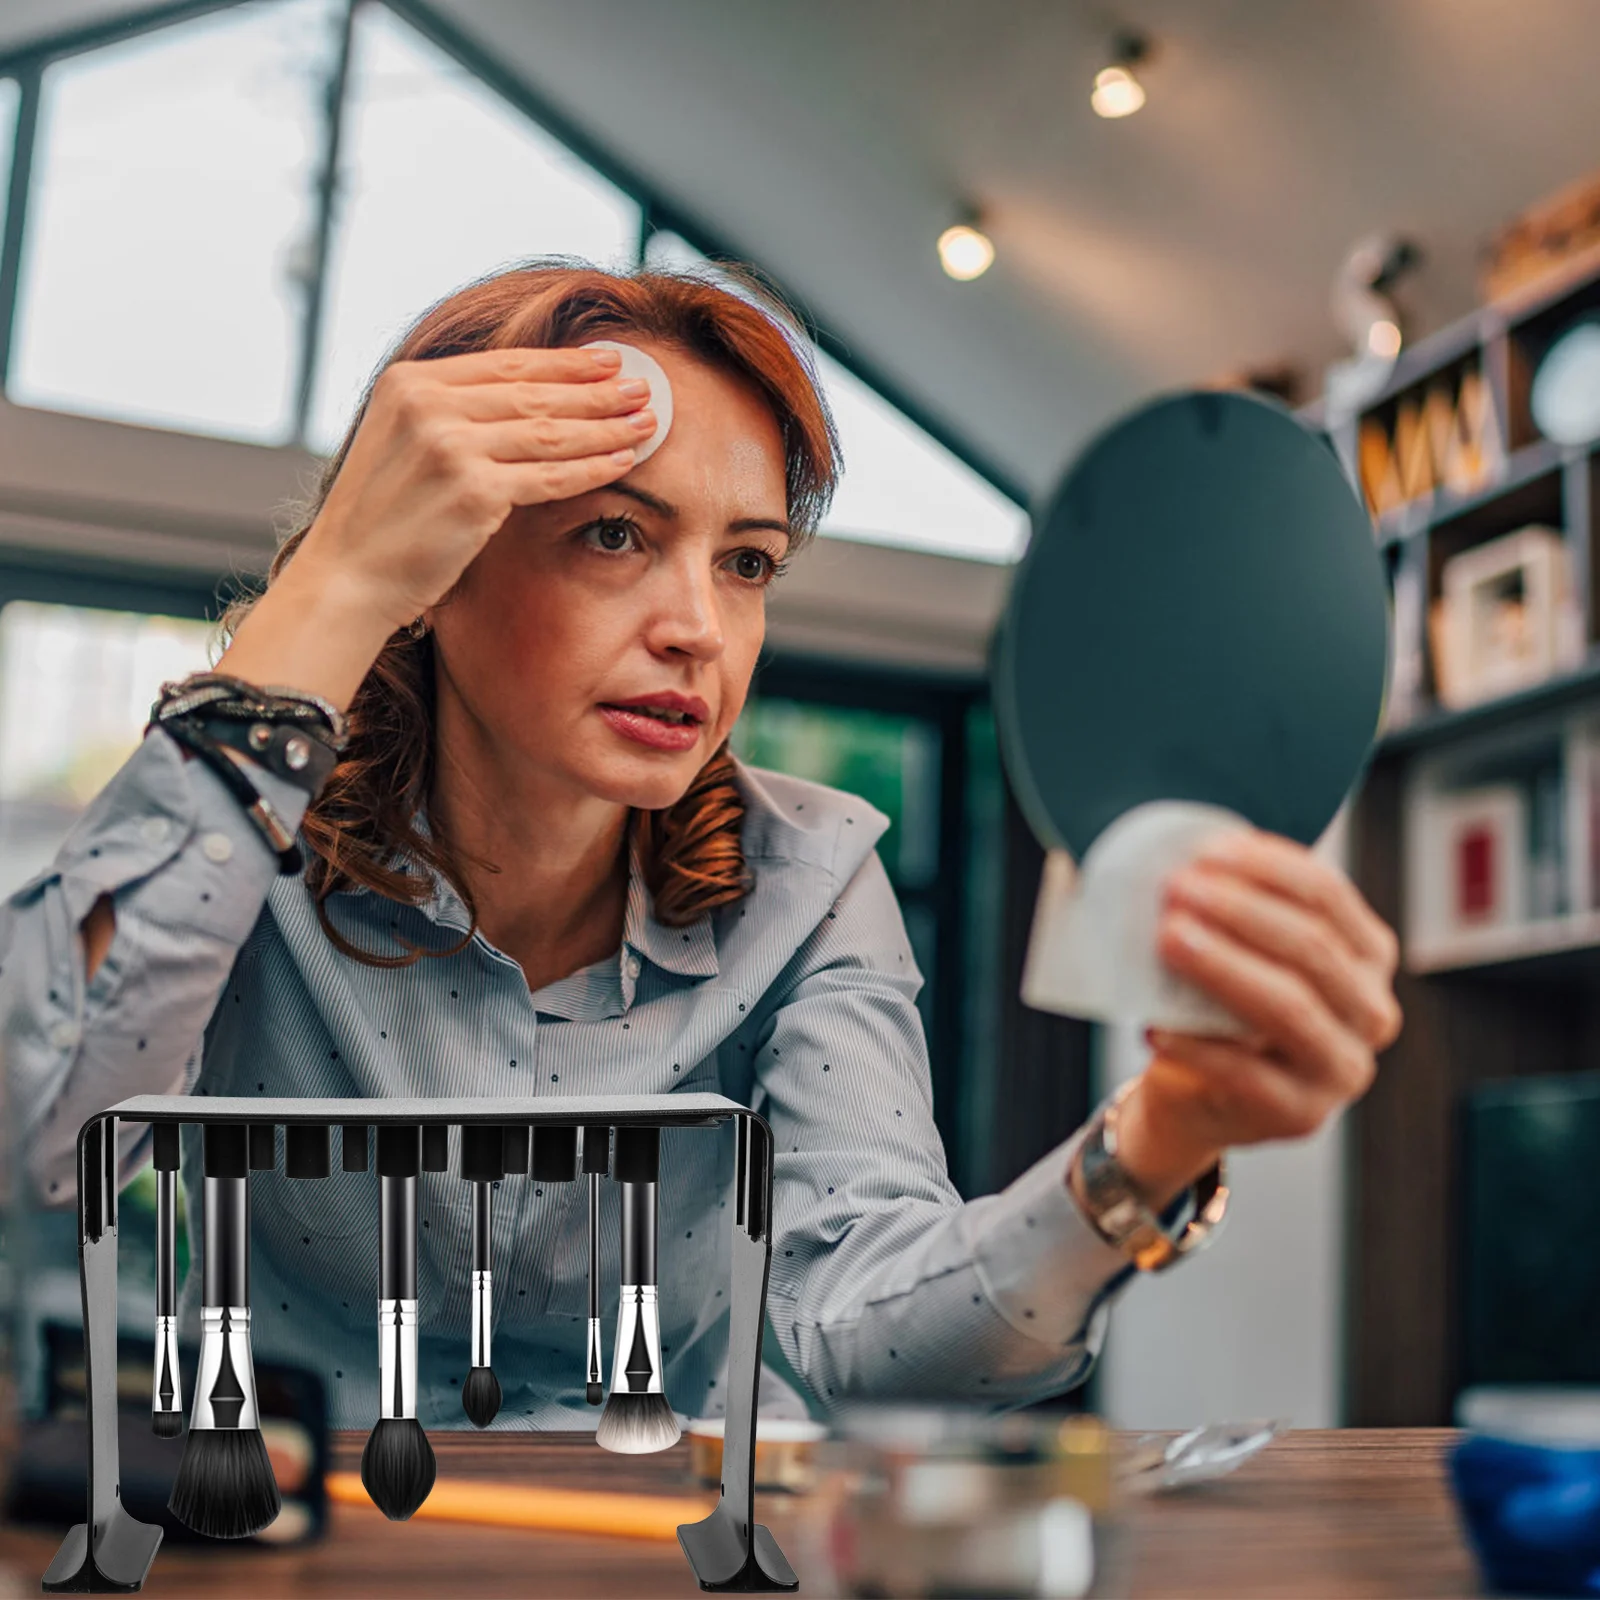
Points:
636	364
1093	952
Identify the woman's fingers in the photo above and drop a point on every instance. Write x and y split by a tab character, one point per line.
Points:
530	483
505	401
522	364
563	438
1271	997
1242	1096
1290	931
1289	869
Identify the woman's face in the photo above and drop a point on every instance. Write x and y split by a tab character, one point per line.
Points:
652	587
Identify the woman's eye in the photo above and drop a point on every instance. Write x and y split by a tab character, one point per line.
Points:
613	534
756	565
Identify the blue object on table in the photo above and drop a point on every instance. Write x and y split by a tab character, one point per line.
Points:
1533	1513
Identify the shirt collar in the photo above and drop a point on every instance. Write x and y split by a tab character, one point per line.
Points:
689	952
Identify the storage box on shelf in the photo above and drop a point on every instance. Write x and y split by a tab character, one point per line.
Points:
1498	846
1476	832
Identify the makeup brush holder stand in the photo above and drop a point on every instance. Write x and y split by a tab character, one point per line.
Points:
112	1551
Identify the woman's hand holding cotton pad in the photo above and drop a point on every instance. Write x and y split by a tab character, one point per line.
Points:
636	364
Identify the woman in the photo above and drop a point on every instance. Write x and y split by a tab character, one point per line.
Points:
537	869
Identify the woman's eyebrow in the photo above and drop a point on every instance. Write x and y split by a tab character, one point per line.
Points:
665	508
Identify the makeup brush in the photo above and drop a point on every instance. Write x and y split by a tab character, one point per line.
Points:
166	1387
482	1165
556	1150
225	1487
637	1418
397	1464
596	1157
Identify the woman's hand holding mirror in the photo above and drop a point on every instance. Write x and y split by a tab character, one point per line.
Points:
1287	944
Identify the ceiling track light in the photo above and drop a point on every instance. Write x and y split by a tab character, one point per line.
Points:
965	250
1117	91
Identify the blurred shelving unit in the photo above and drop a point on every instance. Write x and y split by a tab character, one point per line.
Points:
1517	993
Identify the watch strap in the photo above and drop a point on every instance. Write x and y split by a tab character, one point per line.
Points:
1119	1212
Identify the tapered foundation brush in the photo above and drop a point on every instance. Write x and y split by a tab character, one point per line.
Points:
166	1384
482	1165
397	1465
637	1418
225	1487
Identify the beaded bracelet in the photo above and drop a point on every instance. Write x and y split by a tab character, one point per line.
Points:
291	732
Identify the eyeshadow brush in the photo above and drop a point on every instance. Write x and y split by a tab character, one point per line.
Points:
482	1165
166	1388
596	1158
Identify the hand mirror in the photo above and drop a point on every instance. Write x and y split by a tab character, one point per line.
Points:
1197	638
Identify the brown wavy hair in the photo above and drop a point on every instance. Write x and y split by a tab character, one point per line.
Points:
364	829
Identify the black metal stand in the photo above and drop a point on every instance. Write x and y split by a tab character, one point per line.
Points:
111	1553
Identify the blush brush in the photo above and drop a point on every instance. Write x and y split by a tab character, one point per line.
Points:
397	1465
166	1387
637	1418
482	1165
225	1487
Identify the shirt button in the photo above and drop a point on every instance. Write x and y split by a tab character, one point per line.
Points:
633	966
218	847
153	830
63	1035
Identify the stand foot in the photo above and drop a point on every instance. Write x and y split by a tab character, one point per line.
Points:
719	1559
118	1563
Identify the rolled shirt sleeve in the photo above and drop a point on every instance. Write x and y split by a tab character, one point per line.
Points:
884	1282
188	873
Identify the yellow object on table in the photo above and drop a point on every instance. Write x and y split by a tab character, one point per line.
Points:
516	1505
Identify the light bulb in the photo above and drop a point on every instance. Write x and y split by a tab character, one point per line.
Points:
1383	338
1117	93
964	252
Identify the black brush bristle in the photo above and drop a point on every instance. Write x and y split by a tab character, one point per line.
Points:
480	1396
637	1424
397	1467
166	1424
595	1393
225	1488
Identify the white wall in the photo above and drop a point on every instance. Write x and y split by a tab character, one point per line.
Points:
1250	1327
169	501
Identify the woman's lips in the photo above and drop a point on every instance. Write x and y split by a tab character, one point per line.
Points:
645	729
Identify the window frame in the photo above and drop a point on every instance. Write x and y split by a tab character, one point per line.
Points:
658	213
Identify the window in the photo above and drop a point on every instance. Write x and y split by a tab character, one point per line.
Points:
76	686
922	752
10	98
443	182
900	486
170	202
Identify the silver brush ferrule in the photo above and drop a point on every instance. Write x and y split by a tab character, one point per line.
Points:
596	1358
397	1358
637	1369
166	1388
482	1311
225	1385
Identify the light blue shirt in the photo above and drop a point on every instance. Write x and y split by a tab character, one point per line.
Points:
798	1001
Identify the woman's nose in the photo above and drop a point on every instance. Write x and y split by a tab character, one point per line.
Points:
688	618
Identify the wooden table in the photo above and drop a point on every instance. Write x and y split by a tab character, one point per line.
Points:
1323	1514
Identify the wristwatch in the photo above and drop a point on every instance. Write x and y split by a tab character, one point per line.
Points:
1117	1211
